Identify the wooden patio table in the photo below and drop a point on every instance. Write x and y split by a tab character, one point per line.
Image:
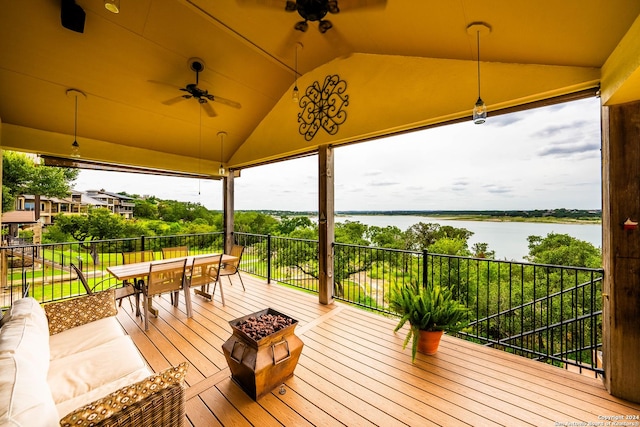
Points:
139	270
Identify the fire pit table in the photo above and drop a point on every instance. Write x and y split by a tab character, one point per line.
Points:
263	351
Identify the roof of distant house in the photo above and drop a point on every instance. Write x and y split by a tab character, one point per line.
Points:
45	198
109	193
19	217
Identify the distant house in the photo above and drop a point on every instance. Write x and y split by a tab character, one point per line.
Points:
116	203
76	203
49	206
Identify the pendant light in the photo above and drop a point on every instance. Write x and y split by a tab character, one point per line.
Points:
295	95
75	147
221	170
479	109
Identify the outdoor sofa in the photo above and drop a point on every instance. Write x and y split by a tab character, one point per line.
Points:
70	363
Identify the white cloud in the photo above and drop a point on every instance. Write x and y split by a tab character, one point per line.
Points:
536	159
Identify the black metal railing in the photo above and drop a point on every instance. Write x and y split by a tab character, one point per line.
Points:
45	270
282	259
546	312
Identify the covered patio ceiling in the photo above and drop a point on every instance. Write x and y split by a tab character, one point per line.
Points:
403	65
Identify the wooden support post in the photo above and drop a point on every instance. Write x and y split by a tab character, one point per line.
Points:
621	249
325	224
3	258
229	210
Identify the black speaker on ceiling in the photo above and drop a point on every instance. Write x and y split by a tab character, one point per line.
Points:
72	16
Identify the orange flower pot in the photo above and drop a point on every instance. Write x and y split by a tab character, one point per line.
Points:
429	341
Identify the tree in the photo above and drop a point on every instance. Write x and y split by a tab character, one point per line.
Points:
390	237
352	233
481	250
145	208
99	224
562	249
421	236
288	225
20	175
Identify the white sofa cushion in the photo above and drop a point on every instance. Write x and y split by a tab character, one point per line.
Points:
25	397
84	337
28	307
74	378
23	339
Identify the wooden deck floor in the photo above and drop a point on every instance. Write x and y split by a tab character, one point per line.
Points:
353	371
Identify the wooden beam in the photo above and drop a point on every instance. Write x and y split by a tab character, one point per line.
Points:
326	212
621	249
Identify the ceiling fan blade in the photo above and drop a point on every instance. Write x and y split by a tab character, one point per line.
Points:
228	102
208	109
274	4
349	5
174	100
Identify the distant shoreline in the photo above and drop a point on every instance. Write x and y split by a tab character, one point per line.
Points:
466	217
555	216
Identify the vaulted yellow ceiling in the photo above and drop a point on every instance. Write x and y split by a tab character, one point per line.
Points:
399	66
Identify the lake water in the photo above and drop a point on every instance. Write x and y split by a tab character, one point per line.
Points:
507	239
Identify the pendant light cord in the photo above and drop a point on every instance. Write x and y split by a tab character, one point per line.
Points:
200	150
296	74
478	42
75	125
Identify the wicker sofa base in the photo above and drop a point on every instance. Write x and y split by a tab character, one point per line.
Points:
165	408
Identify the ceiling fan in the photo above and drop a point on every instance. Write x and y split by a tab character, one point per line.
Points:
316	10
201	95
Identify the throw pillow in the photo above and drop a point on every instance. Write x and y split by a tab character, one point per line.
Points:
68	314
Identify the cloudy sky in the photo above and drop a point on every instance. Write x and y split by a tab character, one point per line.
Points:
537	159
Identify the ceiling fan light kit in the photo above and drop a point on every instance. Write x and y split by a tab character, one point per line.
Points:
313	10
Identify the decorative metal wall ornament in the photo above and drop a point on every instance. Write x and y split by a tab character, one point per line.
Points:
323	107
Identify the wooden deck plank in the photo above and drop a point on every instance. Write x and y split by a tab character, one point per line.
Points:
199	415
389	357
285	413
313	389
223	410
443	405
307	409
353	370
254	413
520	377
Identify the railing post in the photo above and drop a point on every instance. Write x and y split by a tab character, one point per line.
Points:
142	243
425	276
268	258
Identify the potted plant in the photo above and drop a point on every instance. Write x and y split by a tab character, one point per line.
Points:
430	310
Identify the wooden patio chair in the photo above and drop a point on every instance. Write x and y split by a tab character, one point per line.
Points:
137	256
204	271
132	258
122	292
175	252
230	268
164	276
